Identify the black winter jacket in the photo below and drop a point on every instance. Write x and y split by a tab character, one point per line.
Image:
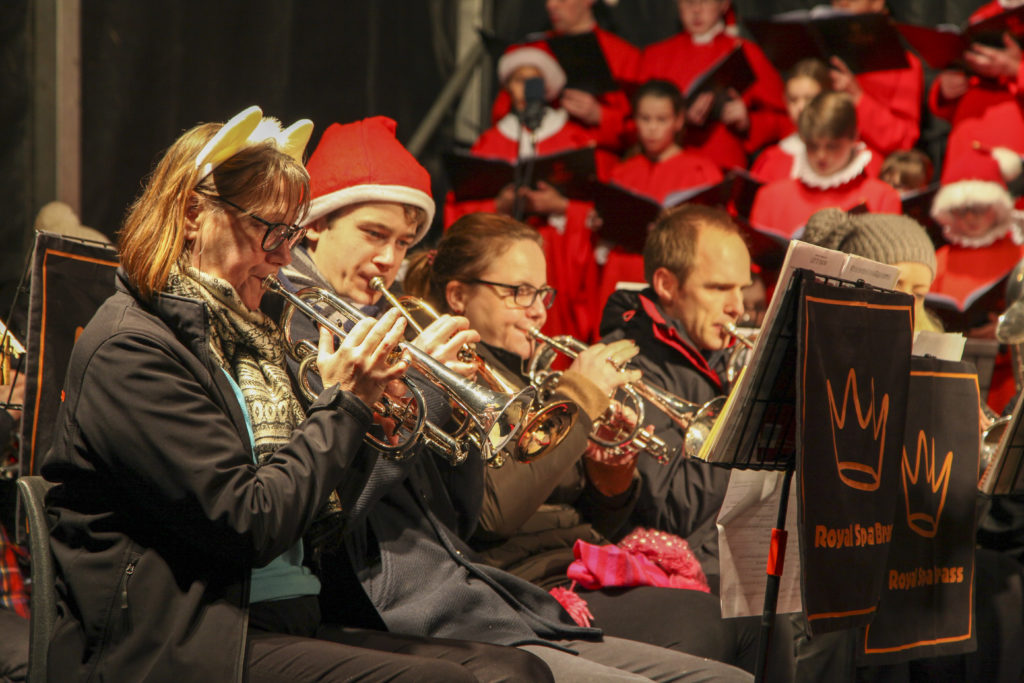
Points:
161	512
684	496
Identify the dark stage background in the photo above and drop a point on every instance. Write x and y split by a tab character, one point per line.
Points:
152	69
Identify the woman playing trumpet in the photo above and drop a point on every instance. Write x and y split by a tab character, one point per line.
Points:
188	472
491	269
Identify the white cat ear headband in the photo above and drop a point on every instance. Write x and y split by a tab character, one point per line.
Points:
250	127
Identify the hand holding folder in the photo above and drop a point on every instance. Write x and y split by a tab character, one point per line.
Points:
572	173
943	47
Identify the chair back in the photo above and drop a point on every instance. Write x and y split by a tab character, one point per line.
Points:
43	603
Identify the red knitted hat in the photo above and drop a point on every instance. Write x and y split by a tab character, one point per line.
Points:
364	162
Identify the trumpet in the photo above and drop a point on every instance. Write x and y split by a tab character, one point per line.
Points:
545	427
494	419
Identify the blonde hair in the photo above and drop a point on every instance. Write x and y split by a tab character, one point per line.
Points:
828	115
465	251
259	177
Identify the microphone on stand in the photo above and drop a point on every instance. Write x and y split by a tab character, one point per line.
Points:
533	111
530	117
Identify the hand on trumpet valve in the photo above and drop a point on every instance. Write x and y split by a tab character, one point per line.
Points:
445	338
603	364
619	419
364	362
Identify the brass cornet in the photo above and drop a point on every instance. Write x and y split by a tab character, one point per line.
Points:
495	419
545	427
546	380
10	348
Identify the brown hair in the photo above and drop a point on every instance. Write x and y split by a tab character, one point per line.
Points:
828	115
672	242
660	88
814	69
464	252
259	177
907	169
414	215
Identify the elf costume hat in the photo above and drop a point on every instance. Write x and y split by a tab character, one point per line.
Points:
364	162
977	178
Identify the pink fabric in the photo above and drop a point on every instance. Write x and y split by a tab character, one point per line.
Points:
644	558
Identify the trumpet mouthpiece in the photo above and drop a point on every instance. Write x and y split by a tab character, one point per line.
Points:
377	283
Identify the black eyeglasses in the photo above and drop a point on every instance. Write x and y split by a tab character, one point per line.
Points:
523	295
276	234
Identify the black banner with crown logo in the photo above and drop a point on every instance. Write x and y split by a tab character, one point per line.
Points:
926	603
853	370
70	279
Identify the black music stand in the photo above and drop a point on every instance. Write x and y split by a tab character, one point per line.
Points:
760	430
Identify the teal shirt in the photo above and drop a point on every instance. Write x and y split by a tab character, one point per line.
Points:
285	576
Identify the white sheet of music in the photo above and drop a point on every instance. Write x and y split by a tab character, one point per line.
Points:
745	523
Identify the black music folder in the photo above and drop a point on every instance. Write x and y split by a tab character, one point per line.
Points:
625	214
865	42
732	71
583	61
474	177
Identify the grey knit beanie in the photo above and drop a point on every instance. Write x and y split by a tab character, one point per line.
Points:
884	237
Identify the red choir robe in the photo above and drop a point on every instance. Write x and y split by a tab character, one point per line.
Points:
990	112
889	109
656	180
569	247
680	60
781	208
623	61
968	289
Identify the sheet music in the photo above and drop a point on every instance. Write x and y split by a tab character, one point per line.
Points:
941	345
745	523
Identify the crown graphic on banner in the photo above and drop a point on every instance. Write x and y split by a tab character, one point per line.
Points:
931	487
858	467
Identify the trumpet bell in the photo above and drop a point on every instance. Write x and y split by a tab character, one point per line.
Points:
547	428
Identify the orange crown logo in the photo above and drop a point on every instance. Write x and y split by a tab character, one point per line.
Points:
861	474
925	524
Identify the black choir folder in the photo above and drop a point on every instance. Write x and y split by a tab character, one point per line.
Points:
865	42
583	61
731	72
625	214
572	173
943	46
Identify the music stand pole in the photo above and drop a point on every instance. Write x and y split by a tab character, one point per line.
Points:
776	559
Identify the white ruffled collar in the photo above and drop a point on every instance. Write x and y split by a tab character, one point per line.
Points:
1010	4
552	122
709	35
808	176
793	146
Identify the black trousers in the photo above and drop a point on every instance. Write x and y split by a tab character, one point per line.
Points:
13	646
286	642
690	621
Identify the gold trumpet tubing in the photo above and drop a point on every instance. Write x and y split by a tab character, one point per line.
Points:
546	426
735	334
11	345
497	418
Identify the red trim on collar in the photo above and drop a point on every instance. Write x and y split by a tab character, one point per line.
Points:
668	335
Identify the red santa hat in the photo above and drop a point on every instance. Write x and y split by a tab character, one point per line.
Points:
537	55
978	178
364	162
